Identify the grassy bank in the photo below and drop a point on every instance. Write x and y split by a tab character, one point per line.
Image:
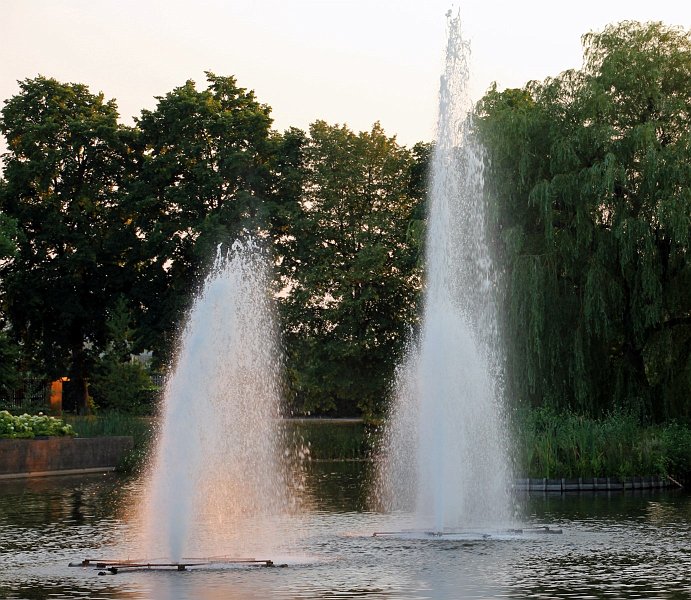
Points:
568	445
111	423
114	423
547	444
331	439
326	439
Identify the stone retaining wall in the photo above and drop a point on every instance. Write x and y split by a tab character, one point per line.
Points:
57	455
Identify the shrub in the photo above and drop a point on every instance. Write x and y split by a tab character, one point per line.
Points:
676	442
29	426
123	386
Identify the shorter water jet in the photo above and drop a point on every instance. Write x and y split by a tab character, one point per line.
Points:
219	480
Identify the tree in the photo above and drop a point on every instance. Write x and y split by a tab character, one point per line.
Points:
119	382
351	274
8	235
9	350
203	180
591	184
63	188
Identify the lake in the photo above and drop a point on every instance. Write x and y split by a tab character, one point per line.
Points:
613	545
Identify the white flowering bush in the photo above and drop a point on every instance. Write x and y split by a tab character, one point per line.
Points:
29	426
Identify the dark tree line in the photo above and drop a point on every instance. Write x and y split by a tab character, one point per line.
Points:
106	230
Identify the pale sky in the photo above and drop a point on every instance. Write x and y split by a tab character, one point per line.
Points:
344	61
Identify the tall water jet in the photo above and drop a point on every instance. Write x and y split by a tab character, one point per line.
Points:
444	447
217	481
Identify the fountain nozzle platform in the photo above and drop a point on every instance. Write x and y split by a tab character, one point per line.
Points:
117	566
467	534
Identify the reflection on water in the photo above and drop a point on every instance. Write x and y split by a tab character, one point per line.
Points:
634	545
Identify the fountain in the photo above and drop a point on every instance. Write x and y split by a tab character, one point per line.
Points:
218	481
444	454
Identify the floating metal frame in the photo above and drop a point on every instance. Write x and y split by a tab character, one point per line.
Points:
117	566
480	534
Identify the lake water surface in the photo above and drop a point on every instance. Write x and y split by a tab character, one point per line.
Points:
614	545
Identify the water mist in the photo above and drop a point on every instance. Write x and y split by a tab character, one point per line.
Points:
444	451
218	483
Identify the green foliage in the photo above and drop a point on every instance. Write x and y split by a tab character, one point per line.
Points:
105	229
112	423
30	426
8	235
122	386
568	445
63	186
9	349
118	383
9	359
590	175
331	439
202	179
350	268
676	441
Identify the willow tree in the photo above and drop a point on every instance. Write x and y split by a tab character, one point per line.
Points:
590	176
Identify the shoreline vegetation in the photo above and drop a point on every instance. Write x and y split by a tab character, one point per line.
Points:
587	179
566	445
26	426
547	444
587	187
